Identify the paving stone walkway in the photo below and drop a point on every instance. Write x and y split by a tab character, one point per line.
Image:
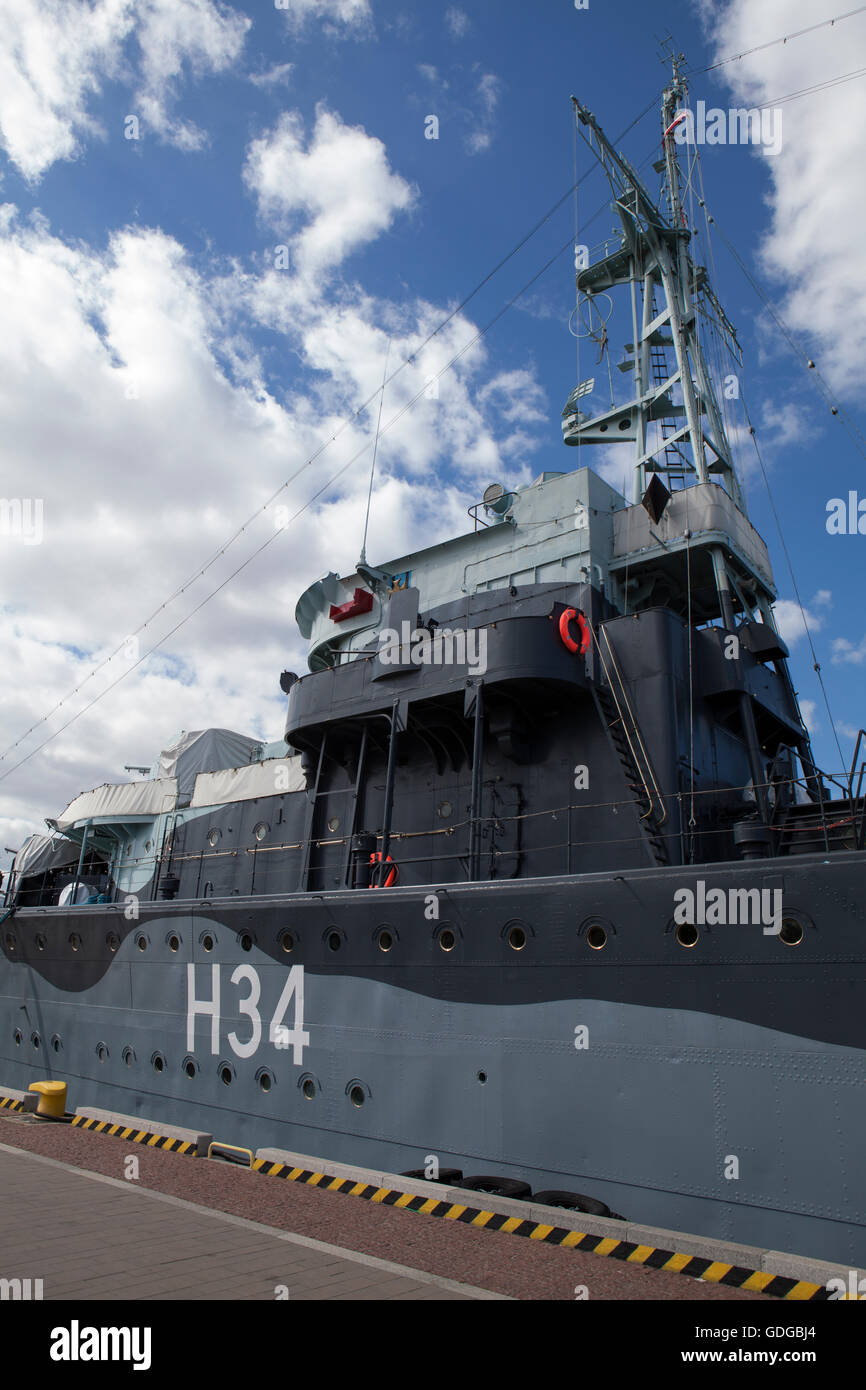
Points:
87	1236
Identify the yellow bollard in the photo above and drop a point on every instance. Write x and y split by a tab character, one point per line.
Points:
52	1098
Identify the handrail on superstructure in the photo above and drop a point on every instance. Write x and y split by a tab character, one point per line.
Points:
635	729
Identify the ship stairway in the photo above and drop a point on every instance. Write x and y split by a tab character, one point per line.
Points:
616	714
821	827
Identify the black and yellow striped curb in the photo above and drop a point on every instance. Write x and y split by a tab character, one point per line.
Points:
7	1103
137	1136
712	1271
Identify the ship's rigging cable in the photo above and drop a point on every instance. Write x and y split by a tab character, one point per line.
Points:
363	558
850	426
816	665
202	569
771	43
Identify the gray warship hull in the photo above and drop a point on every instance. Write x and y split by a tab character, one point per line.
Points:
710	1089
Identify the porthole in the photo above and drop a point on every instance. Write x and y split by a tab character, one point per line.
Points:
207	942
596	937
141	942
246	941
482	1077
174	942
687	934
74	940
227	1074
447	939
10	941
334	941
148	846
334	824
308	1087
213	837
384	940
18	1036
356	1096
190	1067
35	1039
41	941
57	1043
102	1051
287	941
516	938
791	932
260	831
265	1079
112	941
128	1055
444	810
157	1061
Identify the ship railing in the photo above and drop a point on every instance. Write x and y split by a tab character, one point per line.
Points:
855	797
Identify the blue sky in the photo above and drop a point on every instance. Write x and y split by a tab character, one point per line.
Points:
160	376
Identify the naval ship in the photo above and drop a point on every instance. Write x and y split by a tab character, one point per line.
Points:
542	880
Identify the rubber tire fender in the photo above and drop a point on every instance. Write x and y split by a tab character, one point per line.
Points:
446	1175
573	1201
497	1187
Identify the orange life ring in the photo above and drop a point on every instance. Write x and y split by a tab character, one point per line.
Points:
567	616
376	858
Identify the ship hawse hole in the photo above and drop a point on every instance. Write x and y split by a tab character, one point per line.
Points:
287	941
447	940
246	942
517	938
385	940
596	937
334	941
207	942
309	1089
792	931
226	1076
357	1097
173	942
687	934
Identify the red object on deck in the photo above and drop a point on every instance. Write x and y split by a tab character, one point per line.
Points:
361	602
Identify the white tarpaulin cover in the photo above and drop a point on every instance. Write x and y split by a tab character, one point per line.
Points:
43	852
203	750
121	800
243	783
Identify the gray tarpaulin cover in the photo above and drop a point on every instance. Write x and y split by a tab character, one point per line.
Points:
244	783
119	800
203	750
43	852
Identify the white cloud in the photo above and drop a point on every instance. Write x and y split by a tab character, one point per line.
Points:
488	92
331	195
58	54
457	21
273	77
789	618
814	249
846	653
338	16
